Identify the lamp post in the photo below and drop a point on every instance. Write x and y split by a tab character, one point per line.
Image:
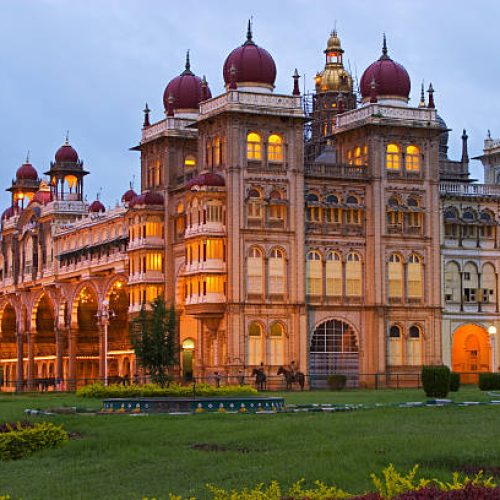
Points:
104	315
492	330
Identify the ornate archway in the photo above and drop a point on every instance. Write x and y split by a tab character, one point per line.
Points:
471	352
8	346
333	349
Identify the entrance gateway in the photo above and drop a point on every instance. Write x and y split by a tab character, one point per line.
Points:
333	350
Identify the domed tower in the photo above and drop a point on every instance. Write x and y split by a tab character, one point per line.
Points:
25	185
66	174
334	95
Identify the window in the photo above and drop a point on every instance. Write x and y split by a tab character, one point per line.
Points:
395	276
189	162
488	283
314	274
414	346
353	275
313	213
412	160
255	338
254	146
334	286
255	272
394	348
357	156
276	272
392	157
216	151
452	282
415	290
276	210
276	340
254	205
352	215
275	148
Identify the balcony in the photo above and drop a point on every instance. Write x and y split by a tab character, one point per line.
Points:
207	266
147	277
148	242
207	229
350	172
209	298
453	189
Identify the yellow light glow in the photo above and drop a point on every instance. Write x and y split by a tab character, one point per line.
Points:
188	344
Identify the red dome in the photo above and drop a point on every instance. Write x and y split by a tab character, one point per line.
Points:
252	63
128	196
96	207
206	179
147	198
27	172
43	197
187	90
66	154
391	79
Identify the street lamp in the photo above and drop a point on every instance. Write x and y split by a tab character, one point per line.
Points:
105	314
492	330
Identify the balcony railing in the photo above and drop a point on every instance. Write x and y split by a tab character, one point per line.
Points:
452	188
215	228
336	171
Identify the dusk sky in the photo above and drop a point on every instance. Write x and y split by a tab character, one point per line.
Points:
90	65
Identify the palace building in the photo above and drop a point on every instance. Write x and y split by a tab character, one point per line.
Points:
329	230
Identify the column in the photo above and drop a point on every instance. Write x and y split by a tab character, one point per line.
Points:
31	360
20	356
59	357
102	351
72	348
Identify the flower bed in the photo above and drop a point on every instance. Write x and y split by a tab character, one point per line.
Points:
22	439
98	390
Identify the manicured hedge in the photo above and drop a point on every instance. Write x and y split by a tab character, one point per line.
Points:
489	381
454	381
436	381
20	441
98	390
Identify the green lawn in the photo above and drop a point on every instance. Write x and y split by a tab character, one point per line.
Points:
126	457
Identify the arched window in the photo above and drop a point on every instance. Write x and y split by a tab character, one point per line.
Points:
395	346
254	146
394	215
353	275
276	209
333	213
334	286
392	157
469	228
353	213
254	204
414	346
216	151
488	283
395	276
255	339
357	156
415	288
452	288
276	272
314	274
275	148
313	210
255	272
487	228
276	341
412	160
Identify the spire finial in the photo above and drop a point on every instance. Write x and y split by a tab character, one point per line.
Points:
421	104
489	134
146	111
384	45
249	30
28	156
430	91
188	62
465	152
66	140
296	89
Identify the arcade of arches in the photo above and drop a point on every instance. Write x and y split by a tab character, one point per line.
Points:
471	352
61	345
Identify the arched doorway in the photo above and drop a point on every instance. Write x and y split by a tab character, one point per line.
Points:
333	350
471	352
45	338
187	358
87	342
8	344
118	332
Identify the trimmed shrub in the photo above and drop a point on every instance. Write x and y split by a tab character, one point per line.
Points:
454	381
468	492
436	381
489	381
21	441
337	382
98	390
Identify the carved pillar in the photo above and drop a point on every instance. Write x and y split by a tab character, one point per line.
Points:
31	360
59	357
20	360
102	351
72	348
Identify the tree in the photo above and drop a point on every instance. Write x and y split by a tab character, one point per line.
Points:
153	337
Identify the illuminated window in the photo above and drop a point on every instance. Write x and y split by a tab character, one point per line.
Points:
276	338
314	274
313	213
255	272
276	210
190	162
395	276
276	272
353	275
71	181
395	346
216	151
333	275
412	160
415	289
392	157
353	215
349	157
254	146
275	148
357	156
255	338
414	346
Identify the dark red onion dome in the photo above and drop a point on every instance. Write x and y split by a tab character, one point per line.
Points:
66	153
391	79
186	90
43	195
96	207
147	198
129	195
27	172
249	66
209	179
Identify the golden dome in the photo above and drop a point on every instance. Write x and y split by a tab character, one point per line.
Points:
333	42
335	79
